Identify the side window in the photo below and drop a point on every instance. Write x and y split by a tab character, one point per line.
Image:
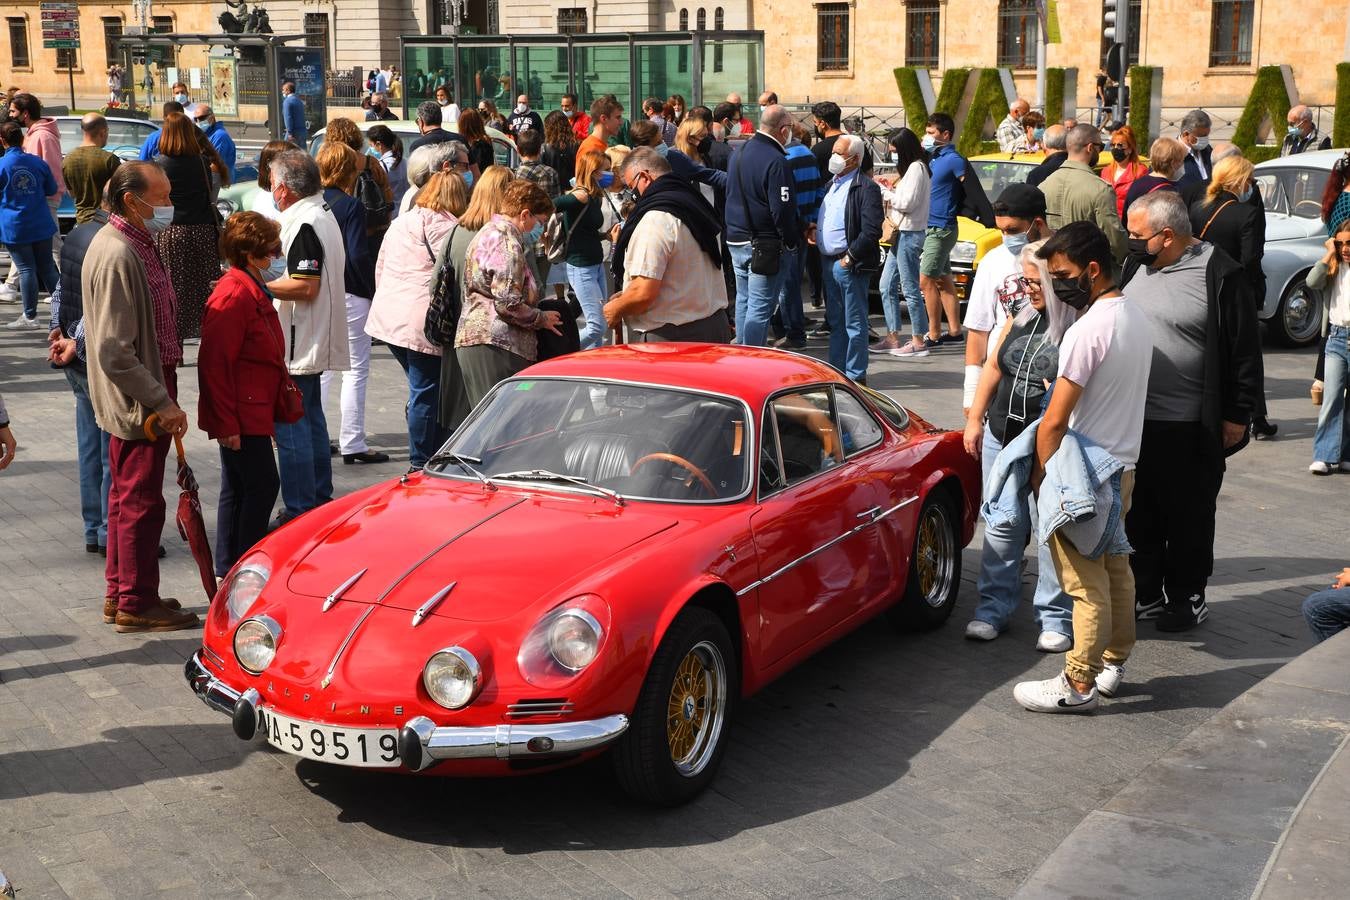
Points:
770	466
807	436
857	429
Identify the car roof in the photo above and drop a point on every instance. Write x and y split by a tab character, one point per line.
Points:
751	373
405	128
138	121
1313	159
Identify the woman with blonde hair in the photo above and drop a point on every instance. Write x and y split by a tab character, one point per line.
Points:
338	167
487	197
1124	167
583	219
398	313
189	247
1166	157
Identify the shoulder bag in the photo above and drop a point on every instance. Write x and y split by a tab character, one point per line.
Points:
1222	207
446	303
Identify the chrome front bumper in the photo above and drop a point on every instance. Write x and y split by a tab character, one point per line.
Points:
421	742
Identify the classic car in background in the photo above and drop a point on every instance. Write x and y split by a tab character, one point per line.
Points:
613	550
125	137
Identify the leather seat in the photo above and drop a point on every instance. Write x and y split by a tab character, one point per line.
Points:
601	456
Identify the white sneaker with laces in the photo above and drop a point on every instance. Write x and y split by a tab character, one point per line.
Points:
1317	468
981	631
8	294
1054	695
1053	642
23	322
1108	682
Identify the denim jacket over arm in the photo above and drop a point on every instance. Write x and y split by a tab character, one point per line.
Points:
1080	493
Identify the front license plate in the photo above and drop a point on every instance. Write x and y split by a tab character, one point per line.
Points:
371	747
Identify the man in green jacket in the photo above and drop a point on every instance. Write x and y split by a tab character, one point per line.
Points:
1076	193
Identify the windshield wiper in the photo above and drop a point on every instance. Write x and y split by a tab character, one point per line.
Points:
545	475
464	463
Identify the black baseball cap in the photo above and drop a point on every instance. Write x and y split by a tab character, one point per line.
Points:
1020	201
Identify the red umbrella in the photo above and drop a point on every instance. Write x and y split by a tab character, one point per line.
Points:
191	525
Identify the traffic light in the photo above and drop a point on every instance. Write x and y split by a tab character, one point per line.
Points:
1116	31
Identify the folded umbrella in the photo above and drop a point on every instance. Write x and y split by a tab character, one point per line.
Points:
191	525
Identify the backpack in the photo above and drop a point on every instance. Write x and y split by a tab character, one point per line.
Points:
446	302
370	195
556	236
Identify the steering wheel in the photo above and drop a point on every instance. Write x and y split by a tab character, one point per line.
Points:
1317	207
694	471
125	152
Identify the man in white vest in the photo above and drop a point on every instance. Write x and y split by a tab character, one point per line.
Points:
313	311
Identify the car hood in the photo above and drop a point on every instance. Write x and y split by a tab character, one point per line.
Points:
1281	227
503	550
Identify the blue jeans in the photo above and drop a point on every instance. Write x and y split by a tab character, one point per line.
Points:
588	283
790	318
37	271
92	444
899	274
1327	612
424	387
302	453
1000	581
1331	443
756	296
846	313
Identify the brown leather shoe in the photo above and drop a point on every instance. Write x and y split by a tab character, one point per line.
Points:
156	618
110	608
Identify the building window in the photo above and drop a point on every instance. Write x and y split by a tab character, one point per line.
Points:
112	29
702	20
316	32
923	20
161	24
572	21
832	37
1230	33
684	20
1018	31
18	42
67	58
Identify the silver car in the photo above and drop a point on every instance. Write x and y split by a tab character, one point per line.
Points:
1295	239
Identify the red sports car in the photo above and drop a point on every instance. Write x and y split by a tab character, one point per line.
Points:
612	550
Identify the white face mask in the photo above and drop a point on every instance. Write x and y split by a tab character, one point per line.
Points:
522	109
1201	143
837	164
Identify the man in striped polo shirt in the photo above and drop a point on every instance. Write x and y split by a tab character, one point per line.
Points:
789	320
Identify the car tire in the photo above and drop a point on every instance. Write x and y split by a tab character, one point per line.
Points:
670	752
934	568
1297	321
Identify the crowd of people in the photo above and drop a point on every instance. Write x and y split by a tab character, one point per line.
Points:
1109	343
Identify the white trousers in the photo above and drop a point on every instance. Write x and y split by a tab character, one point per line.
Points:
352	437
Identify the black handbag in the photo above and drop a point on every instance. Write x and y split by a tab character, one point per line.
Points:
446	303
766	253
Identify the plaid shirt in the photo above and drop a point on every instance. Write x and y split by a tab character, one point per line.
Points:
541	174
161	290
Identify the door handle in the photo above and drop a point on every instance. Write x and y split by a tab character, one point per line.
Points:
870	514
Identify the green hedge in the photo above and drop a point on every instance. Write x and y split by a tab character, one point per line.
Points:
1340	126
911	97
953	88
1141	99
1054	95
989	101
1268	96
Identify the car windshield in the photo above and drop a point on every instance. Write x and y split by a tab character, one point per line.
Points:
124	137
641	442
997	174
1293	191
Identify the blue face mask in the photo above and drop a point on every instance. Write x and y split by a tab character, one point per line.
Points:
605	180
662	149
160	218
1295	130
929	143
204	124
534	234
1037	133
467	175
1016	242
1245	195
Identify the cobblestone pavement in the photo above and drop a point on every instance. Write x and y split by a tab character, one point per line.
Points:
888	766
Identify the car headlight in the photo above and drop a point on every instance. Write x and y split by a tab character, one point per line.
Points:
574	639
564	641
255	643
452	677
246	584
964	252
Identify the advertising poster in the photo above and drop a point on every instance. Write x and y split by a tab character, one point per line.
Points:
305	66
223	79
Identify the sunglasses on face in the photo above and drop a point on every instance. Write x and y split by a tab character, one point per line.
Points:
1340	245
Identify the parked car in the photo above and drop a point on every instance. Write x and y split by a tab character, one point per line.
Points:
125	137
1291	188
240	194
608	554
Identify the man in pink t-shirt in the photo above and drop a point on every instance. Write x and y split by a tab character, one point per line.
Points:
1104	363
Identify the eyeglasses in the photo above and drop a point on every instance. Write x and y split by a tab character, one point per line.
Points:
1339	245
201	118
1030	284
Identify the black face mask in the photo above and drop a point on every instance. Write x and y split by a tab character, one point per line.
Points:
705	145
1072	290
1119	154
1139	250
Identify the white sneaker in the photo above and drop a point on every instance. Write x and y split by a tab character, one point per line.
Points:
981	631
1054	695
1108	682
1317	468
23	322
1053	642
8	294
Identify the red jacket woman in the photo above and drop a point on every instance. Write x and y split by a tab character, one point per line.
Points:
241	372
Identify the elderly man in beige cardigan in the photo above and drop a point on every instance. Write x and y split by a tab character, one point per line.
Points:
133	351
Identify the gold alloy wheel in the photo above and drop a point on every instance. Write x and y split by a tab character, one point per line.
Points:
933	556
696	708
